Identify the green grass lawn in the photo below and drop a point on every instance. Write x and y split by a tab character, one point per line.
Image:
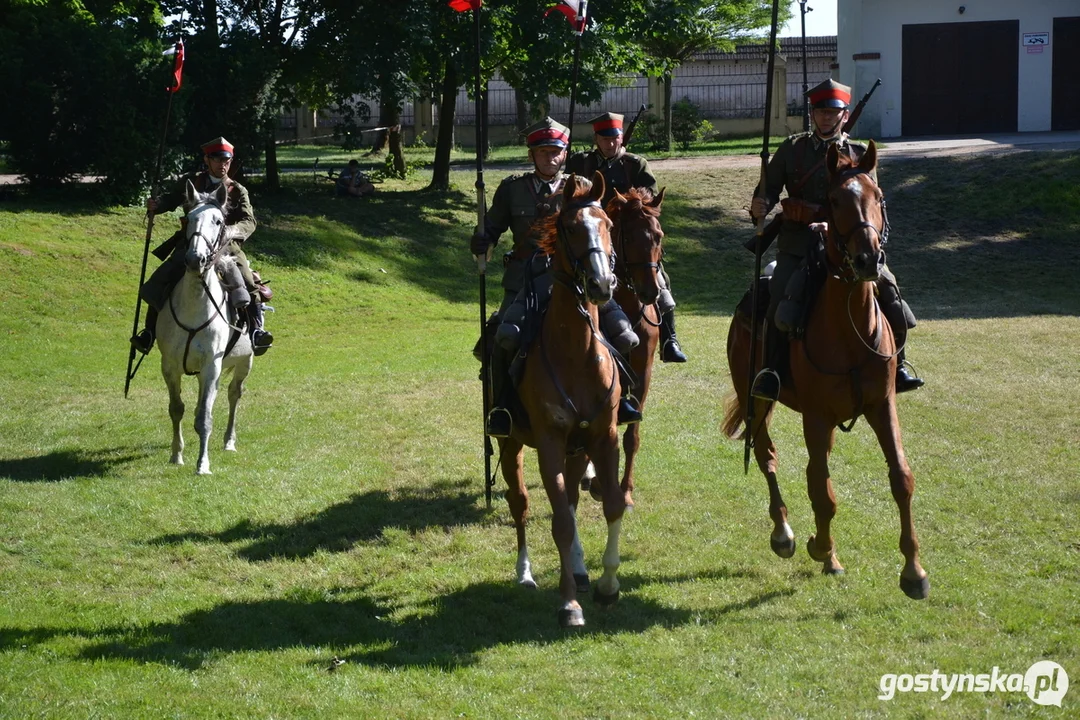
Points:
351	524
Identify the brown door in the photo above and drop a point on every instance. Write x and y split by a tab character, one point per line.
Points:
1065	106
960	78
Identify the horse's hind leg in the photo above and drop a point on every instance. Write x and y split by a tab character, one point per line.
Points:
517	497
176	413
782	539
577	467
913	579
236	391
820	436
204	414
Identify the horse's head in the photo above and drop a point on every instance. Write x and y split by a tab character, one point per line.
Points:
205	227
638	235
858	225
582	247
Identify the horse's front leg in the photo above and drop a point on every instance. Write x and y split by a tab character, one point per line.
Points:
913	579
551	454
176	413
236	391
517	497
820	435
578	466
204	413
631	444
605	453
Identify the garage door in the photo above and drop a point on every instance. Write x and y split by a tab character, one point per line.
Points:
1065	113
960	78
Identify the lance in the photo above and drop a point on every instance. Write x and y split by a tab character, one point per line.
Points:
481	266
132	366
762	189
579	30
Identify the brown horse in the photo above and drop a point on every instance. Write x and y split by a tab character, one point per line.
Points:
638	251
570	392
844	367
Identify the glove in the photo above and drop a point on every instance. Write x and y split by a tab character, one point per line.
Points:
479	243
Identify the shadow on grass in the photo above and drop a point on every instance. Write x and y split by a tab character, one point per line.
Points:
65	465
447	632
362	518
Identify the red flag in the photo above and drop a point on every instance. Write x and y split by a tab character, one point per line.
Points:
463	5
178	66
569	8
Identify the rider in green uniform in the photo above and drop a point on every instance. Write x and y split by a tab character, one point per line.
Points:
799	166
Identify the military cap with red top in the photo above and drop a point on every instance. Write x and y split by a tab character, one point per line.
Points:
547	132
609	124
219	147
829	94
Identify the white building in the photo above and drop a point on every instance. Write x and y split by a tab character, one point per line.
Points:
952	67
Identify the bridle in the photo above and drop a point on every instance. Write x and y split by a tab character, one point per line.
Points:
579	267
840	239
624	271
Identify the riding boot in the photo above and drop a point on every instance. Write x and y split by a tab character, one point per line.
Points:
905	380
499	423
767	382
629	406
144	341
900	319
261	340
671	351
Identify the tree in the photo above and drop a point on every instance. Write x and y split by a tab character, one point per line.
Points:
672	31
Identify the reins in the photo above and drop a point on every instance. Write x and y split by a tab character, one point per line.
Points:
218	248
623	268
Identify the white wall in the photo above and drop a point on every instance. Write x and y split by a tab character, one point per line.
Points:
867	26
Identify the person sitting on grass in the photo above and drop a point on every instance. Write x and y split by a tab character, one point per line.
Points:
353	182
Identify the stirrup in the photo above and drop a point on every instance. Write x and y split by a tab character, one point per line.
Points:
766	385
499	423
143	342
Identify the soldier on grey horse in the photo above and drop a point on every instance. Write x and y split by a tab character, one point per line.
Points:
245	293
623	170
519	202
799	166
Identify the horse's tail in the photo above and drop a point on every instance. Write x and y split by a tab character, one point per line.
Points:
734	416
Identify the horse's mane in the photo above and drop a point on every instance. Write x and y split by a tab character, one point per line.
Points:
547	227
637	200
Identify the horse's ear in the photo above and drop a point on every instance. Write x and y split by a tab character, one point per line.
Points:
570	187
832	158
658	199
598	188
221	195
189	194
619	197
869	159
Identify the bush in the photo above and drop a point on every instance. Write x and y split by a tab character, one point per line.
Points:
687	124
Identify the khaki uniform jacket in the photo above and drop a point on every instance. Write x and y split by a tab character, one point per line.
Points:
797	156
620	173
519	202
240	219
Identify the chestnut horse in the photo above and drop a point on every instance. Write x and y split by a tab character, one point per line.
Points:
844	367
637	236
570	392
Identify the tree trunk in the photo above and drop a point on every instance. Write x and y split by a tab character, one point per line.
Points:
396	151
273	179
522	120
389	116
440	176
667	113
209	11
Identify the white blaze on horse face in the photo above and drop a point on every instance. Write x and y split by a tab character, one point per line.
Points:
599	263
203	229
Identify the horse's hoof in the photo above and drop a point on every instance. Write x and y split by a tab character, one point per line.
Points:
605	600
582	582
595	492
176	460
784	548
586	483
915	589
230	447
813	552
527	583
202	471
832	570
571	617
